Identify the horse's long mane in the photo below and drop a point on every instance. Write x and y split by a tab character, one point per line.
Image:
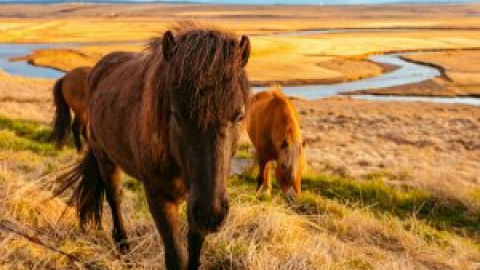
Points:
201	79
204	72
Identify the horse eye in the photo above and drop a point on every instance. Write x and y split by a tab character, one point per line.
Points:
238	117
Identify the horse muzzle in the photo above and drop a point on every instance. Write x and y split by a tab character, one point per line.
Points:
208	218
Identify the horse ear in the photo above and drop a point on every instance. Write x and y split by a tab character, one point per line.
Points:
168	43
245	50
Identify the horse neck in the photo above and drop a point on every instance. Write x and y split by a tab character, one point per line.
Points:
154	131
290	124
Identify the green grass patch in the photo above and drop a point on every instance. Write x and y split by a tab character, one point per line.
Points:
27	129
27	135
441	213
244	150
243	154
10	141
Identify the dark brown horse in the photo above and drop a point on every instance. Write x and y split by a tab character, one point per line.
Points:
70	92
170	118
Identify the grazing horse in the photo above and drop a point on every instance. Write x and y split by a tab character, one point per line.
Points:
169	117
273	127
71	92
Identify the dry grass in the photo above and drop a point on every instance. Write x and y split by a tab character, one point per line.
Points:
317	233
335	226
81	22
338	224
429	147
22	98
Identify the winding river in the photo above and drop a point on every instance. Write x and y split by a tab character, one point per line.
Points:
22	68
406	73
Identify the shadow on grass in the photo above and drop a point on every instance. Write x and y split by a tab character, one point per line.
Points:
442	213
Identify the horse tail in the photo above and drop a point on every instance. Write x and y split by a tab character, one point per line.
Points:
63	120
88	193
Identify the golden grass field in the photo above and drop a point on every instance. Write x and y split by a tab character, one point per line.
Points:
389	185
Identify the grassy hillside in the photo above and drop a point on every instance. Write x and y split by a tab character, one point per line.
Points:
339	223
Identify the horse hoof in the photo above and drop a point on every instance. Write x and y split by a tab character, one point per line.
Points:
121	242
123	248
264	195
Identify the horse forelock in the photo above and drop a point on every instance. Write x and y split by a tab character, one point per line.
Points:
205	73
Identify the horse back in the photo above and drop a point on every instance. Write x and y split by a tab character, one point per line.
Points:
106	65
115	102
271	120
75	89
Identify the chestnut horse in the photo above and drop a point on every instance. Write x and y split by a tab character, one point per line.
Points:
70	92
273	127
169	117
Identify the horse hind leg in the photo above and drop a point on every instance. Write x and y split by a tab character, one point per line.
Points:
83	128
76	128
94	178
112	177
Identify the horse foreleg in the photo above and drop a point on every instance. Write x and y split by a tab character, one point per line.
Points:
195	243
113	179
76	133
264	184
167	219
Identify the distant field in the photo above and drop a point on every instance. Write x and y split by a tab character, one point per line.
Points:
296	60
326	58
